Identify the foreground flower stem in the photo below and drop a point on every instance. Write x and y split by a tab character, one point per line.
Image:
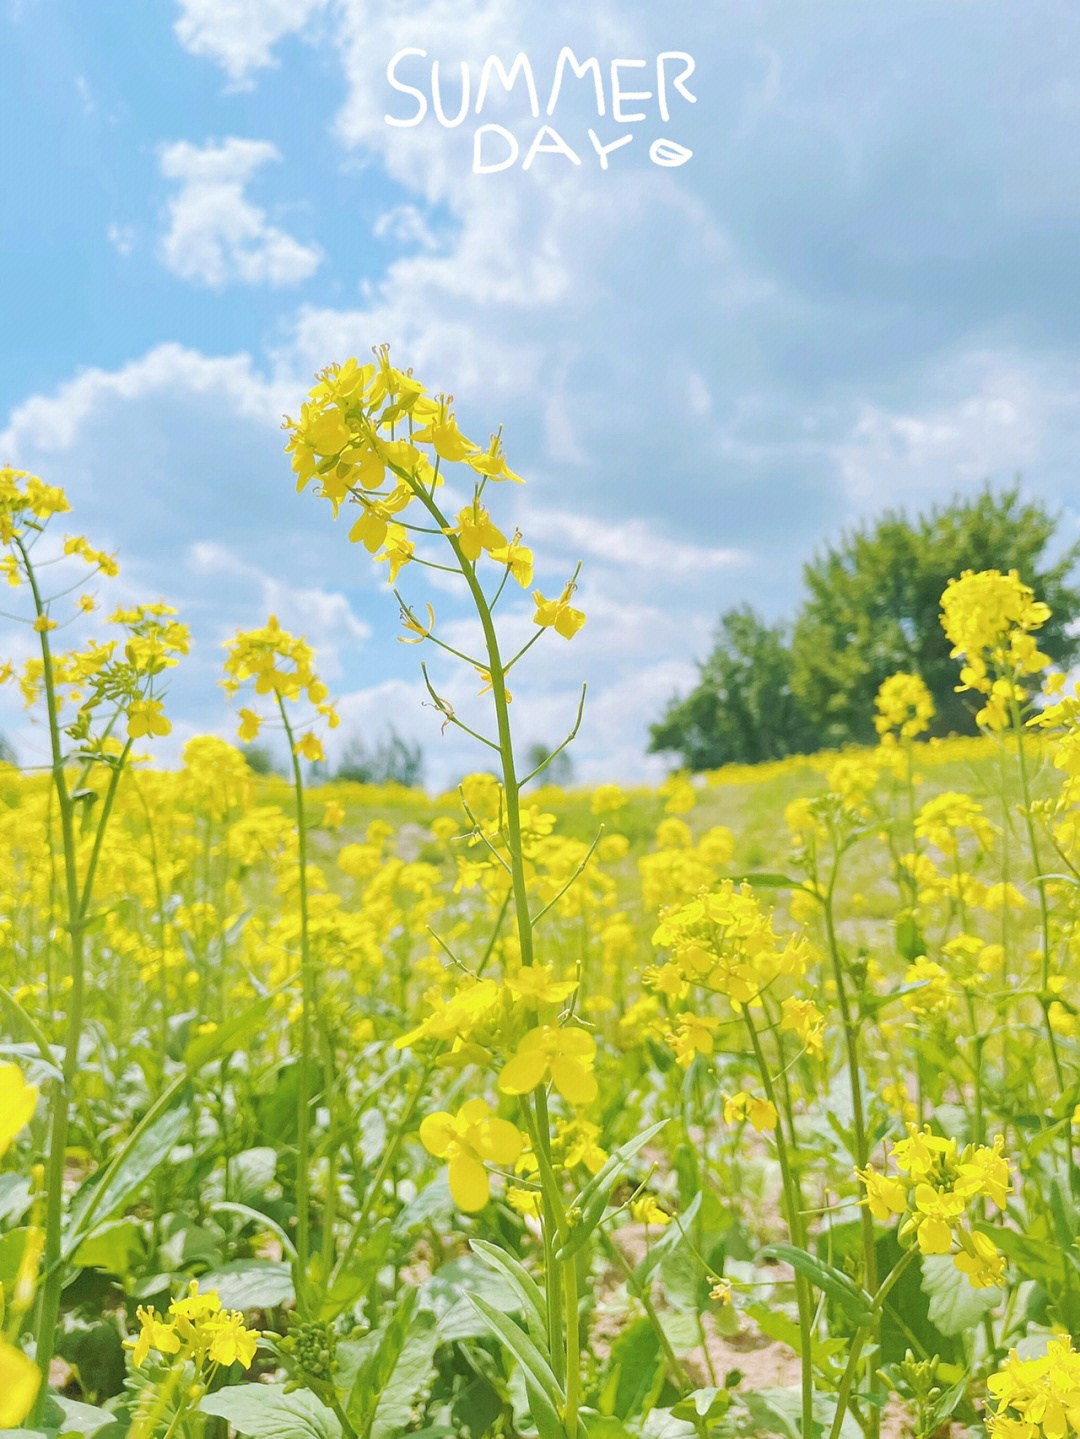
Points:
554	1218
796	1229
49	1303
862	1153
1044	915
861	1336
307	1005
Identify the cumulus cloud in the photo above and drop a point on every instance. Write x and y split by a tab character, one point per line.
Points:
216	236
987	413
241	34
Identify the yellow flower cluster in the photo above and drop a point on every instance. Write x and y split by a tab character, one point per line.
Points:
280	664
724	942
933	1187
1042	1393
196	1327
904	707
989	617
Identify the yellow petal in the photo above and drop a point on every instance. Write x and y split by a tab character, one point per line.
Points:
499	1141
19	1380
468	1183
575	1083
437	1133
523	1072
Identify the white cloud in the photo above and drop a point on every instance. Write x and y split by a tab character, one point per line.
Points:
324	617
240	34
632	543
216	236
121	238
995	414
51	423
406	225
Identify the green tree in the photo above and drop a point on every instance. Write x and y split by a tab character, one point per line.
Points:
873	606
391	760
558	771
743	709
260	760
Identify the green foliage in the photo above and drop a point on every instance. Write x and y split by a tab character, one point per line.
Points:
874	600
390	760
872	608
743	709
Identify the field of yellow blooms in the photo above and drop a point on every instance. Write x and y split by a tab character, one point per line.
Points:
741	1106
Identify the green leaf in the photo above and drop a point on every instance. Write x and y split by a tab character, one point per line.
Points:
779	1411
768	880
524	1285
637	1359
12	1247
855	1302
265	1411
954	1306
112	1247
909	942
594	1196
393	1413
381	1352
708	1403
247	1021
251	1284
256	1216
775	1324
537	1370
107	1194
69	1416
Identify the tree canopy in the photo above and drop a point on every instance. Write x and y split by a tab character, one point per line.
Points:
743	708
872	607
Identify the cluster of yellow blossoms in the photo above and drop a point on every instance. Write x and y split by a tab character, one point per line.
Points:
105	676
934	1185
904	707
1042	1393
198	1329
281	664
989	617
347	439
723	941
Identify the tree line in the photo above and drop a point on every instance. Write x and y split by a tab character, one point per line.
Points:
871	607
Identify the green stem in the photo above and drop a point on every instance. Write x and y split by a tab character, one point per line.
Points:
49	1306
861	1336
1044	915
851	1042
307	1005
797	1230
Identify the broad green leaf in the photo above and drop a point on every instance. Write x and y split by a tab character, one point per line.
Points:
265	1411
112	1247
228	1036
954	1307
251	1284
106	1195
708	1403
256	1216
382	1349
393	1413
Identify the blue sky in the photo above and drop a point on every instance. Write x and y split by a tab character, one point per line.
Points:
860	291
